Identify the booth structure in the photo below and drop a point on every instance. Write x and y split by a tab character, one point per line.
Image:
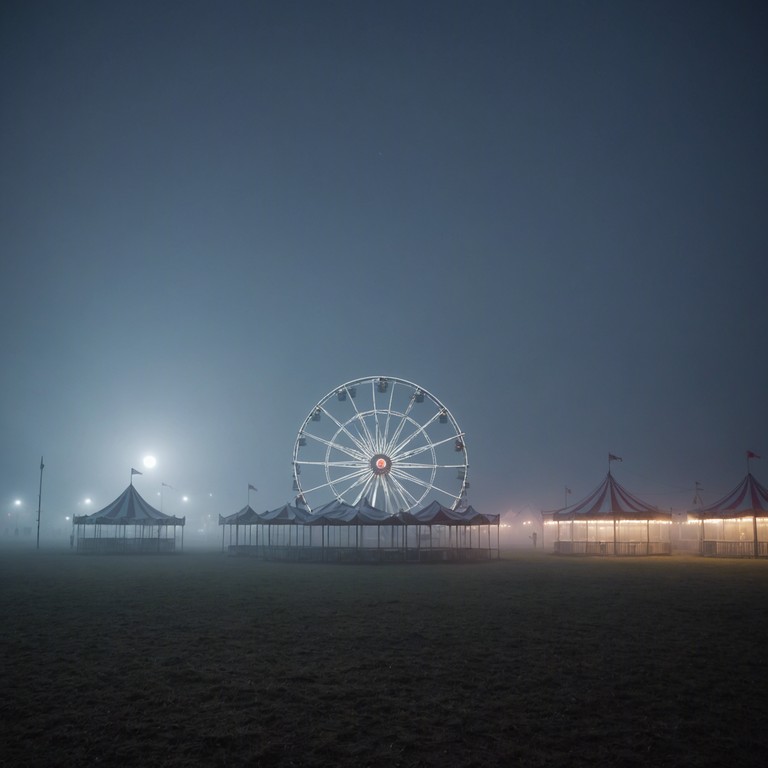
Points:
340	532
609	521
737	524
129	525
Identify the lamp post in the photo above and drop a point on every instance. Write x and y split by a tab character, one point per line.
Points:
16	505
39	501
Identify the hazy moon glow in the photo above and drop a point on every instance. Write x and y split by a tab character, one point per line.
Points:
149	461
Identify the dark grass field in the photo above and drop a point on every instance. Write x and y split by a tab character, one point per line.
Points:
200	659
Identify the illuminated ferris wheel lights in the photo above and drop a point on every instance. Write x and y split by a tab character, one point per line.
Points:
374	446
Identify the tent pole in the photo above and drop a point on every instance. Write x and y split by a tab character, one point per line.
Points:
754	534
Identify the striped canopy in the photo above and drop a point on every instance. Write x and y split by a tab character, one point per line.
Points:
609	501
129	508
748	499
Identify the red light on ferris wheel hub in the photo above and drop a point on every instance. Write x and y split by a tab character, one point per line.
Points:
380	464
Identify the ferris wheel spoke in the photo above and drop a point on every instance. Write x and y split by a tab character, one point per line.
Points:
329	483
362	479
348	464
405	418
417	465
390	411
357	440
421	429
361	420
346	449
411	478
428	486
408	499
394	491
388	504
378	432
428	447
377	491
365	490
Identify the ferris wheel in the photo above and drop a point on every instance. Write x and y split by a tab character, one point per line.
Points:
382	439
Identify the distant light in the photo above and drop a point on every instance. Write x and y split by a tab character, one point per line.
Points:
67	517
87	501
17	502
185	498
150	461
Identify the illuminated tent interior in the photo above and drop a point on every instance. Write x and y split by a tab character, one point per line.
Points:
609	521
341	532
128	525
737	524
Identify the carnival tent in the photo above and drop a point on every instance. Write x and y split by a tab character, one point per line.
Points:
737	524
128	524
610	521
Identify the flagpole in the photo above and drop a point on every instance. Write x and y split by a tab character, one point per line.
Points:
39	501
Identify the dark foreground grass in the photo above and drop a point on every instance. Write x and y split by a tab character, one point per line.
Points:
203	659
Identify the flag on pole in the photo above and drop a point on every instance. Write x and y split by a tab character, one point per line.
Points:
135	472
611	457
752	455
165	485
252	487
567	489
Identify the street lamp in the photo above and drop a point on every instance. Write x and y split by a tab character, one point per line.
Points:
17	507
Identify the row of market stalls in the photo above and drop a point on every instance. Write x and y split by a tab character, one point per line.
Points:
613	521
340	532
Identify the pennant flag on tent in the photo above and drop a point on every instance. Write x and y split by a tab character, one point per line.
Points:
611	457
165	485
752	455
135	472
252	487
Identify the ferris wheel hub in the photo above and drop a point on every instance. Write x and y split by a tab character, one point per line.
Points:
381	464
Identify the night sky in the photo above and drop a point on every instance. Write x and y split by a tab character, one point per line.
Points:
551	215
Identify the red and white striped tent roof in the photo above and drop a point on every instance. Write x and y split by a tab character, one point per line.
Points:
129	508
609	501
748	499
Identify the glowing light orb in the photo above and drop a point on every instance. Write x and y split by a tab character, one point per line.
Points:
150	461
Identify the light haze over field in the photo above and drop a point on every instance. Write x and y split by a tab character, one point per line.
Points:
551	215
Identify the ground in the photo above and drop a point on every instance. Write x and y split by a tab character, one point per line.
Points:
205	659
